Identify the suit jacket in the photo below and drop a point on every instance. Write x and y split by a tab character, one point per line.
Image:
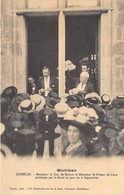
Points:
75	81
31	90
88	88
53	83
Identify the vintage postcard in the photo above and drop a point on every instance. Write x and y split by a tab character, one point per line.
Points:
62	97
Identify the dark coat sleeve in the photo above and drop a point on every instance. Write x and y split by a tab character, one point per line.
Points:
89	87
54	84
40	84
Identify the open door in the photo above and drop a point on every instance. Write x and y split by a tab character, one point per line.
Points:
82	41
42	44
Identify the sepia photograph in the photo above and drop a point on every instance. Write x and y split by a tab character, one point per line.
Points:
62	97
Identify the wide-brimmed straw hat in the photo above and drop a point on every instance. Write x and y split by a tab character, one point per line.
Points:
27	106
92	99
85	128
39	101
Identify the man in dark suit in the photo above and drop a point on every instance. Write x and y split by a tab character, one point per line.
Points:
47	83
82	85
31	85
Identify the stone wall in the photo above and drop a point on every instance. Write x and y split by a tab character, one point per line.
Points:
118	47
13	72
7	47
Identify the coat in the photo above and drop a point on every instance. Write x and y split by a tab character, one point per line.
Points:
53	84
75	82
80	151
88	88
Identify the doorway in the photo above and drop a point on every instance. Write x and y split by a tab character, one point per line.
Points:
82	42
42	44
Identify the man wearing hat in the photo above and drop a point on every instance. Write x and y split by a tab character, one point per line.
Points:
47	83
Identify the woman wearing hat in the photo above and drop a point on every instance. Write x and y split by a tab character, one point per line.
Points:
75	135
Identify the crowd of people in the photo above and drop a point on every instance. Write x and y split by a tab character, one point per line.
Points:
82	123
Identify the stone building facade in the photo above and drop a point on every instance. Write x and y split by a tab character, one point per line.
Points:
110	39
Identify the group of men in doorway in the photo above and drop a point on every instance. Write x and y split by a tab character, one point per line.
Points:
84	83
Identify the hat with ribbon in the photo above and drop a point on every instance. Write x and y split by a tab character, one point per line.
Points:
48	121
39	101
92	99
106	133
18	99
27	106
86	129
10	92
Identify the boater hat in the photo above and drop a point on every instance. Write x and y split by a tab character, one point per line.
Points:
39	101
27	106
92	99
18	99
